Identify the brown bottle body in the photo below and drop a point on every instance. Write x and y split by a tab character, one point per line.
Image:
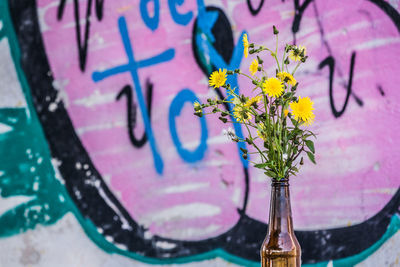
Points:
280	247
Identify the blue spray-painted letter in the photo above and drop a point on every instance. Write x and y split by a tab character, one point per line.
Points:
175	109
151	22
132	67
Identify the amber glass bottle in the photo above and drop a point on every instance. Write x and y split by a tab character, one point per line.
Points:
280	247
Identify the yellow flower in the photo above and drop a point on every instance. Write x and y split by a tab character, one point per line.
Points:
286	77
302	109
197	106
273	87
253	67
253	100
261	132
286	112
296	52
241	113
246	45
217	78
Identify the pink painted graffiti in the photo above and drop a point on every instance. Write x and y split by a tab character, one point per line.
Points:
357	152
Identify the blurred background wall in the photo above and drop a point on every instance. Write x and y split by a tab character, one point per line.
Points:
102	162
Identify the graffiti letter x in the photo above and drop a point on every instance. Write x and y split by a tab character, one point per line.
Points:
132	67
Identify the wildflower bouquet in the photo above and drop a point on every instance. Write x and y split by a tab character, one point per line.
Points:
273	111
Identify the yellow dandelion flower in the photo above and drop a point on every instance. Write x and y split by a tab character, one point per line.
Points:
245	45
302	109
197	106
273	87
253	67
286	112
286	77
241	113
253	101
261	132
296	52
310	121
217	78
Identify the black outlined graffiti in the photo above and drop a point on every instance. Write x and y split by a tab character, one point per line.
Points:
330	62
254	11
131	108
299	10
82	47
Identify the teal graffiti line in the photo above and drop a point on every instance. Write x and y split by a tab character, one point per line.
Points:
392	229
26	170
25	160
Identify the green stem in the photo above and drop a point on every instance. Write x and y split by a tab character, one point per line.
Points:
298	64
251	138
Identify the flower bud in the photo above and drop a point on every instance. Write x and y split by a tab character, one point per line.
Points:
224	113
287	61
294	87
260	61
224	120
244	150
275	30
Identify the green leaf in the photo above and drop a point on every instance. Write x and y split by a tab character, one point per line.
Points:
295	149
260	165
311	157
271	164
270	174
310	145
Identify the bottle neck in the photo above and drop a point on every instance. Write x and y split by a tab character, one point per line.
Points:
280	217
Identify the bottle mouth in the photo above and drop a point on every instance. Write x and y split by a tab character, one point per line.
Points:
283	181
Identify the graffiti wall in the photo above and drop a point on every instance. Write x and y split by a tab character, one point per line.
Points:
102	157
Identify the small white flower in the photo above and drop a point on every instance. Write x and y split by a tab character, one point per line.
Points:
284	156
230	133
236	101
